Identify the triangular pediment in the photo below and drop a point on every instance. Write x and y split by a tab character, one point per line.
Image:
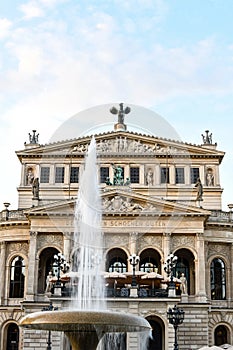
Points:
126	143
117	201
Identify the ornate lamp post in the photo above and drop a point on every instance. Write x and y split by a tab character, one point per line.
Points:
230	206
175	317
49	308
169	266
60	264
134	260
6	205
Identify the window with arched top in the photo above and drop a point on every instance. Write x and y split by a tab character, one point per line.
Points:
12	338
150	261
221	335
17	277
218	279
116	261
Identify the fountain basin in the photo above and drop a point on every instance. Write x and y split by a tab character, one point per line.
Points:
85	328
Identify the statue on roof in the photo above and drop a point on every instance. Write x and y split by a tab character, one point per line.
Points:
33	138
207	138
121	115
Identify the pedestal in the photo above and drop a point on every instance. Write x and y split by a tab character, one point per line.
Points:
133	292
171	290
57	291
184	298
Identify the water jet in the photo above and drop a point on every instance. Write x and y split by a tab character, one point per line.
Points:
88	319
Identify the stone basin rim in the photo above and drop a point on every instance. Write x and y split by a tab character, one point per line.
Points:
85	321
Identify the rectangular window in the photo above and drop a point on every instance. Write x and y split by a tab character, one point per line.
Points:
134	175
59	174
74	175
104	174
179	175
164	175
44	174
194	175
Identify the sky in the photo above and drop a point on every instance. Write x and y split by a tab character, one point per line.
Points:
61	57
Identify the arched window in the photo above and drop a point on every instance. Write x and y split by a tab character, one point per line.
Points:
116	261
218	279
12	337
220	335
17	278
149	261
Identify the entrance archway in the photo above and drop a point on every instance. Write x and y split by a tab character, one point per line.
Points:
45	265
185	264
156	341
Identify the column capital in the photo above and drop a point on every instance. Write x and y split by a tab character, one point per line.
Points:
33	234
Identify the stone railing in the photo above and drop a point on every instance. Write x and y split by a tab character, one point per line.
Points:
12	215
220	216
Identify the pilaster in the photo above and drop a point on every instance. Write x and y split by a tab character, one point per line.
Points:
32	273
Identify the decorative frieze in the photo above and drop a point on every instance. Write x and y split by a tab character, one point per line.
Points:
150	241
45	240
116	240
179	241
17	247
126	145
218	248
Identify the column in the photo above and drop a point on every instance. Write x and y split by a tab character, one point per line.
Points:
157	179
23	175
202	174
66	246
126	171
142	174
200	268
229	290
2	270
66	175
217	176
187	178
166	246
172	175
32	273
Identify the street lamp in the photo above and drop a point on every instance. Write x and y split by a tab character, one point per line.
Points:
6	205
134	260
60	264
168	268
230	206
49	308
175	317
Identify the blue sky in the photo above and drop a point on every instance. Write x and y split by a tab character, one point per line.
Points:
59	57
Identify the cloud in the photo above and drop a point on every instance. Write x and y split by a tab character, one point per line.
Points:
31	10
5	26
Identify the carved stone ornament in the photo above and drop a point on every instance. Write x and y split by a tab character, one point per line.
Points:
125	204
125	145
45	240
217	248
183	241
17	247
116	240
149	241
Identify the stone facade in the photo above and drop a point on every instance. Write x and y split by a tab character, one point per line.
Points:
154	211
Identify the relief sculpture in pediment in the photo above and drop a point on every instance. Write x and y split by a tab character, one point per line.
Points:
120	204
126	145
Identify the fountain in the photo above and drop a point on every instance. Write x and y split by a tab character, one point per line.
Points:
88	319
